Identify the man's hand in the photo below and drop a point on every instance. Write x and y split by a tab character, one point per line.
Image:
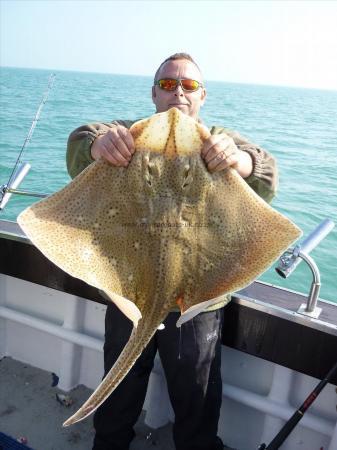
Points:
219	152
116	146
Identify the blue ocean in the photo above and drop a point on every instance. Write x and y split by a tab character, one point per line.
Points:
298	126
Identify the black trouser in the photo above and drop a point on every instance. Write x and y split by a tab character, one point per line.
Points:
191	358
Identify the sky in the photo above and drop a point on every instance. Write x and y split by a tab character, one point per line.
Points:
289	43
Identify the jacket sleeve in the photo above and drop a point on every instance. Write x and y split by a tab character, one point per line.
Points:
264	178
80	141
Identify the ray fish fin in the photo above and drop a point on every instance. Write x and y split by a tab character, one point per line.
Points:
128	307
195	310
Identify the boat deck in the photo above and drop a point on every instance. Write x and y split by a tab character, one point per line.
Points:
28	408
32	411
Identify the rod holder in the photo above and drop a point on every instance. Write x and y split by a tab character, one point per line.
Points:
13	183
292	257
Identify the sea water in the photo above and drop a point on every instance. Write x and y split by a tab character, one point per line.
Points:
298	126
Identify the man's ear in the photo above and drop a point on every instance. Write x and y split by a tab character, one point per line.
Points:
203	96
153	92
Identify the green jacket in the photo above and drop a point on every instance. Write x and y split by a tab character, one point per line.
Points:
263	180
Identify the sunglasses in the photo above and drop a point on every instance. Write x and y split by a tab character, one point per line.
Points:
171	84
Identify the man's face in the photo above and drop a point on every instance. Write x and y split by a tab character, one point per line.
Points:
187	102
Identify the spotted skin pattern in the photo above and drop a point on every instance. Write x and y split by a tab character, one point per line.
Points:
161	232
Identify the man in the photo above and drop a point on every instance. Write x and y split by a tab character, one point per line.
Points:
191	360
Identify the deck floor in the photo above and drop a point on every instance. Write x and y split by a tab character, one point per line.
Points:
28	408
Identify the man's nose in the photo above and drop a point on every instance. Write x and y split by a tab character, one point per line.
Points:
179	91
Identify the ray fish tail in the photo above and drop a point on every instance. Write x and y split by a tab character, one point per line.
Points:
139	338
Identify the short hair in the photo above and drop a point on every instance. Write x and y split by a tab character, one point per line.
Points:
174	57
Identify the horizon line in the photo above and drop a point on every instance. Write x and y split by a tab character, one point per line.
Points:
151	76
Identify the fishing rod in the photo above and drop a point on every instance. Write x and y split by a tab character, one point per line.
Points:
297	416
21	169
